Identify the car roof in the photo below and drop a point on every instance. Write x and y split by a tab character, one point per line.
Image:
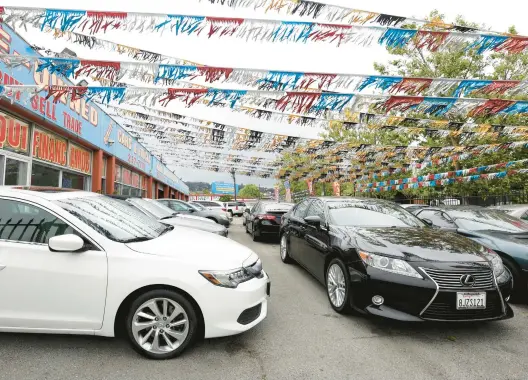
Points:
48	193
508	207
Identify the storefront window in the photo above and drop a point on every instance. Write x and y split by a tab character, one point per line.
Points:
72	181
44	176
15	172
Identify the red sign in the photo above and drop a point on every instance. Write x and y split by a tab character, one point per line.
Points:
126	177
50	148
80	159
14	134
135	180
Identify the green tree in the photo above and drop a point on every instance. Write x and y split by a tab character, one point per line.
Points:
225	198
249	191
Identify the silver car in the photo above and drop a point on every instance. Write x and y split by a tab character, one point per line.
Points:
519	211
187	208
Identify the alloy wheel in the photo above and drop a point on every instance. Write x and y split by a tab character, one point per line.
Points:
336	285
160	325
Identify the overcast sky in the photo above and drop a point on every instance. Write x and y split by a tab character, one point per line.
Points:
273	56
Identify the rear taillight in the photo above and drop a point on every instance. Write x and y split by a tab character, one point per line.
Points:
266	217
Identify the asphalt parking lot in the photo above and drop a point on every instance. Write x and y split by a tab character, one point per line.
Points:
302	338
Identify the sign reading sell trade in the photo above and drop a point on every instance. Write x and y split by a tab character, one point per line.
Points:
223	188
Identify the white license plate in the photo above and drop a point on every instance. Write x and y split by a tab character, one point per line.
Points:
467	300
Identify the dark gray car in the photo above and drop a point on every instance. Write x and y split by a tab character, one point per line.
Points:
183	207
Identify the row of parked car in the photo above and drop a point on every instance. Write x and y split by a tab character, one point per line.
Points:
83	263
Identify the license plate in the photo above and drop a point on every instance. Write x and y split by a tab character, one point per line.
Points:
467	301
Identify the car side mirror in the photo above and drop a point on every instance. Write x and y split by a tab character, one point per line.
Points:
313	220
427	221
66	243
247	210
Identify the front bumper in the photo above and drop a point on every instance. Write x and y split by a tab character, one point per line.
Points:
412	299
233	311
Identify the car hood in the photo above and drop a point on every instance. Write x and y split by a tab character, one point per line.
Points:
415	244
207	251
192	223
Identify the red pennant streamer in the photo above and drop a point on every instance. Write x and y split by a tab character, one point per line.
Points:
514	45
99	69
430	40
325	80
228	26
401	103
188	95
412	86
212	74
98	21
58	92
300	102
491	107
337	33
499	87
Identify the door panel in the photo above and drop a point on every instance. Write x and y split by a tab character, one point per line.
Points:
297	231
316	241
44	289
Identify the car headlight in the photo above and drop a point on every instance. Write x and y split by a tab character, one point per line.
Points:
389	264
495	260
227	279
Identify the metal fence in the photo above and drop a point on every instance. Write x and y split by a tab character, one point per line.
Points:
516	197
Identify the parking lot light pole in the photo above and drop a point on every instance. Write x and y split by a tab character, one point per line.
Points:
234	186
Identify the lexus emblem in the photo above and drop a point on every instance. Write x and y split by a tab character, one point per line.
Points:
467	280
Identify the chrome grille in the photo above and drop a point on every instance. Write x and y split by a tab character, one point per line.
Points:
450	279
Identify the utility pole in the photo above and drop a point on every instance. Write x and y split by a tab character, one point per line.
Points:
234	185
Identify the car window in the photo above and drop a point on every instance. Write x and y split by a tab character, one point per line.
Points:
176	206
300	210
256	208
484	219
525	216
316	209
438	218
23	222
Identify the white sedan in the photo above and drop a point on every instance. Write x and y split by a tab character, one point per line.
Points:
82	263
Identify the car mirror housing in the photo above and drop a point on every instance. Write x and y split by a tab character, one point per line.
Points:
66	243
313	221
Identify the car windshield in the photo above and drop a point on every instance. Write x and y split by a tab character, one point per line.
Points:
196	206
475	220
370	213
153	207
111	218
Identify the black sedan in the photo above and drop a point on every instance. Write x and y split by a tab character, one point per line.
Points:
376	258
264	219
503	233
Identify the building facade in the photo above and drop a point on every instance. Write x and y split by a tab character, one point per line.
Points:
70	143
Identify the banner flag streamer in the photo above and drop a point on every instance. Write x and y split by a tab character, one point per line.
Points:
169	74
446	181
306	103
339	14
438	176
93	22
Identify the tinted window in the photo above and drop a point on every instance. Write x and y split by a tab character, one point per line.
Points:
438	218
371	213
153	207
24	222
300	210
176	206
113	218
317	209
474	220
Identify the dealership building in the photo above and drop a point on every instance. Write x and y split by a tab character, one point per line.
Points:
70	143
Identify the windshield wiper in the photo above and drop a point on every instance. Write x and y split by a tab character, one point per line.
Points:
137	239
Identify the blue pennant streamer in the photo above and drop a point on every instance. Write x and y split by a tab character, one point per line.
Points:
107	94
466	87
331	102
395	38
287	29
231	96
61	66
66	19
383	83
487	42
520	107
437	106
280	80
175	72
182	24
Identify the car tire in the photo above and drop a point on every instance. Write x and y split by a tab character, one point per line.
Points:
520	287
338	286
254	236
149	337
247	229
231	213
284	252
